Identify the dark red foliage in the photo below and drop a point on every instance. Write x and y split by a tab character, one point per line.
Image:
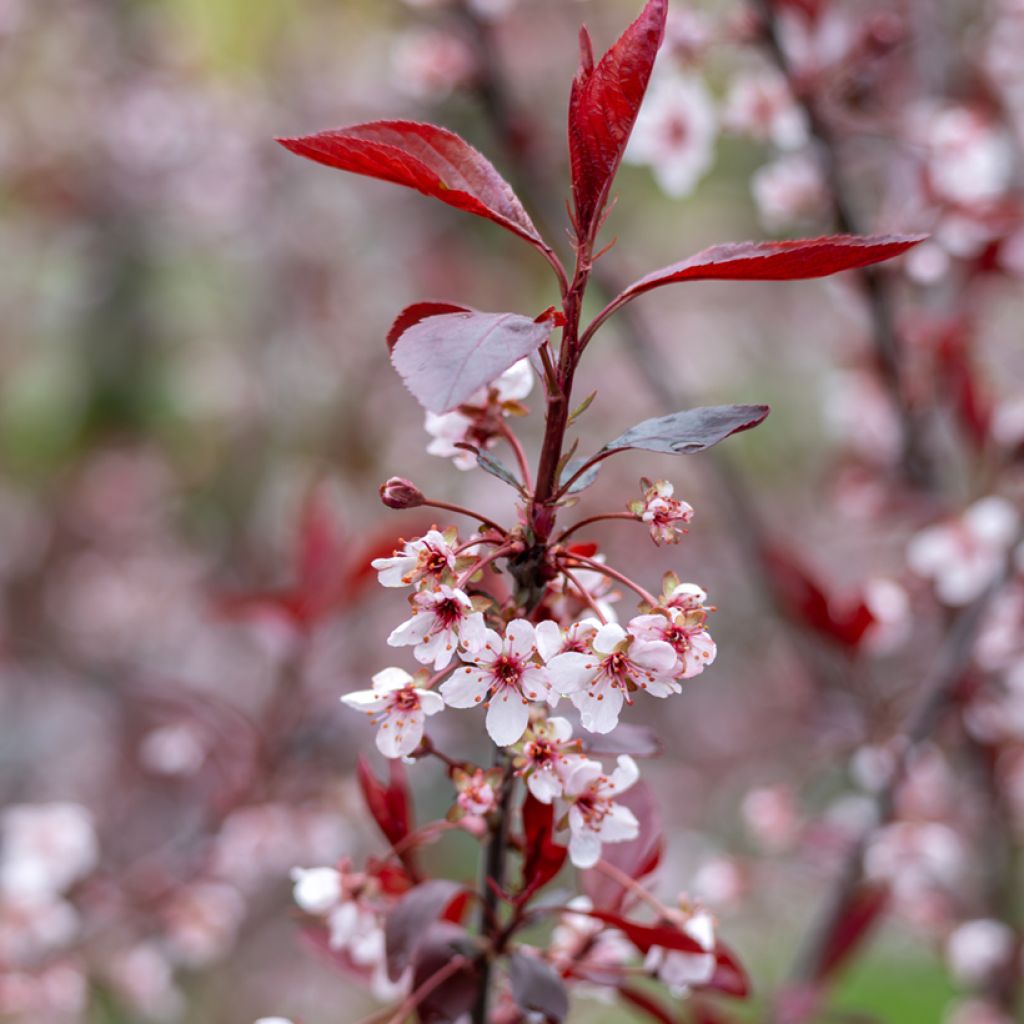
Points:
861	916
389	805
410	918
603	106
542	856
424	157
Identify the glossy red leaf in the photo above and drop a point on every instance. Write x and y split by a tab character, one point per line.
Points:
410	918
637	858
645	936
645	1002
445	359
412	315
543	858
389	805
603	107
789	260
424	157
729	978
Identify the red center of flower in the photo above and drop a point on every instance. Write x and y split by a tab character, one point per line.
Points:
507	670
406	699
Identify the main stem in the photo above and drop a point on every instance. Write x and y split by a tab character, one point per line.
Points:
542	521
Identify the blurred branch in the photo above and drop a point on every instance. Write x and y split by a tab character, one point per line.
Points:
916	461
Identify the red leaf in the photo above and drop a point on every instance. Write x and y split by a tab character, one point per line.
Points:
794	259
645	936
445	359
424	157
642	1001
729	978
542	856
637	858
862	914
806	601
388	805
603	106
412	315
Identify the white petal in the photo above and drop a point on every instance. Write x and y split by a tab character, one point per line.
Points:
465	688
410	632
507	718
572	671
535	684
388	679
600	716
625	774
584	849
391	572
519	638
548	638
654	655
437	650
619	825
473	632
365	700
561	728
609	637
544	785
430	702
580	777
401	734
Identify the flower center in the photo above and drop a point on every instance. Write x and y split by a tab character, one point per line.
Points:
507	670
406	699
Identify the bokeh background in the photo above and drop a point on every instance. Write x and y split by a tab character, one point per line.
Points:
193	380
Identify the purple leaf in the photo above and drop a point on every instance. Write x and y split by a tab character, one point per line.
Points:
412	315
412	915
454	997
424	157
691	431
445	359
537	988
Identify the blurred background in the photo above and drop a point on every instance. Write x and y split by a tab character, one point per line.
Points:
196	409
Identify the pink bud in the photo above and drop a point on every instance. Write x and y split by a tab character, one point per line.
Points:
400	493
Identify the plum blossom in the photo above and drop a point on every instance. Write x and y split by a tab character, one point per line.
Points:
476	793
666	516
678	970
46	848
316	890
202	922
789	190
684	630
549	753
963	556
618	663
429	559
760	104
398	708
675	132
594	816
976	950
476	421
504	669
440	618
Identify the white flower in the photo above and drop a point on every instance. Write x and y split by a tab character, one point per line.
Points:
970	158
476	794
964	556
549	754
685	633
428	559
504	669
666	516
45	848
790	190
680	971
448	430
976	950
316	890
398	708
355	928
760	105
600	681
675	132
438	620
590	949
594	817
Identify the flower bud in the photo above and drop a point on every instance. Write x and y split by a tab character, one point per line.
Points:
400	493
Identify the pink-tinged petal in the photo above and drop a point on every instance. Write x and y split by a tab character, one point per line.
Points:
571	672
489	649
662	687
507	718
608	637
561	728
535	684
437	650
410	632
430	702
401	734
465	688
391	572
548	638
654	655
701	654
390	679
365	700
584	849
544	785
473	632
519	638
625	775
619	825
600	716
648	627
583	773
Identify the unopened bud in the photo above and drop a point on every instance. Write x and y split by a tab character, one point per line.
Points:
400	493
